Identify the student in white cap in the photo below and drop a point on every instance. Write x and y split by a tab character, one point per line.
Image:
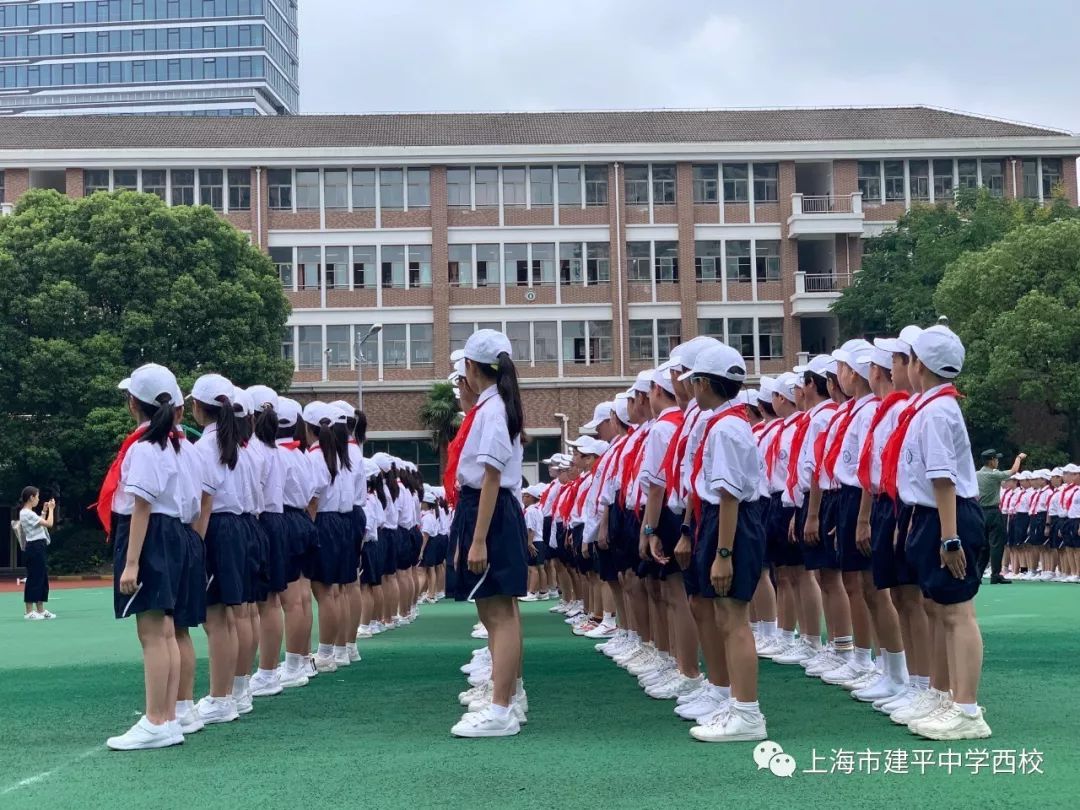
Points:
1070	531
534	526
350	434
595	620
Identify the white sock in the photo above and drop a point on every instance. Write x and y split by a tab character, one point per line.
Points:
922	682
266	673
519	687
182	706
755	628
292	661
326	650
350	647
722	692
814	642
609	618
862	657
768	629
750	707
634	637
788	636
500	711
238	685
896	666
970	709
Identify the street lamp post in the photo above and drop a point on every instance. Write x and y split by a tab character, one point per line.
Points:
360	341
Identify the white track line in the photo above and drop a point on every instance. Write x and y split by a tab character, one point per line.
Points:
40	777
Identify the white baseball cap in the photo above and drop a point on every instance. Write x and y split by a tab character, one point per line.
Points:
820	364
643	382
662	377
878	357
622	410
383	461
457	355
344	407
213	389
683	355
485	346
908	334
371	469
315	413
785	385
766	387
600	414
850	354
149	382
718	361
535	491
242	403
288	411
429	497
262	395
940	350
1071	468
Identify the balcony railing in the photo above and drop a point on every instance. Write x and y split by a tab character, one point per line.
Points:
813	204
7	208
820	282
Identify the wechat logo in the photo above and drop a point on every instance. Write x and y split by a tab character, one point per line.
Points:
770	755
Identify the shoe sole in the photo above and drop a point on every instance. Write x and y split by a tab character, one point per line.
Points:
265	693
220	720
953	737
169	743
734	738
480	734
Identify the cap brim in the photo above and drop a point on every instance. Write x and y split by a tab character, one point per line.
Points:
124	384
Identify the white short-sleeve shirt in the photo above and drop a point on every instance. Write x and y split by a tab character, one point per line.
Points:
429	524
936	446
880	437
661	436
847	463
534	522
819	417
833	426
488	445
31	526
322	486
730	460
299	486
152	473
224	484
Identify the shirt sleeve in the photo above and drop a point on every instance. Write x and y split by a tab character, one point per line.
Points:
656	446
144	476
494	448
726	452
210	471
937	446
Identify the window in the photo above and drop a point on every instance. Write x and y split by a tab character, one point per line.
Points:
516	262
708	260
337	347
310	261
573	342
95	180
641	341
545	342
919	179
183	186
363	264
1051	176
1031	179
667	262
638	261
280	185
513	179
288	347
668	336
310	348
663	185
738	260
706	184
894	181
767	260
126	180
637	185
487	265
741	336
765	182
943	179
460	266
993	177
870	180
363	189
596	178
282	257
543	263
307	189
599	341
419	266
369	351
394	342
337	268
336	189
420	345
569	185
212	188
771	338
153	182
967	173
419	188
459	188
520	342
597	261
459	334
239	189
736	185
487	188
570	263
393	267
391	189
711	327
540	186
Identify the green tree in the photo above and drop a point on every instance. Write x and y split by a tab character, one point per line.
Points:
439	414
1016	305
90	289
902	267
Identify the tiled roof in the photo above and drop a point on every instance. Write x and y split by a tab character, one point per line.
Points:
490	129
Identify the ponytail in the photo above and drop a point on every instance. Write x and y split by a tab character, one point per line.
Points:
228	431
266	426
162	418
328	443
360	427
341	439
507	382
244	427
392	483
300	434
375	488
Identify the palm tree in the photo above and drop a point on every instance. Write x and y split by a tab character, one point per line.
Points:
439	414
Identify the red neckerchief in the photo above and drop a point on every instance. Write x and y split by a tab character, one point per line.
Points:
567	498
614	456
839	415
737	411
546	492
632	462
832	455
760	426
772	452
797	442
453	452
866	455
673	418
112	482
676	454
289	445
579	501
1039	506
1071	489
890	456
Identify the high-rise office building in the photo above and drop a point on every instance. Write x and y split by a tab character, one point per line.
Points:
172	57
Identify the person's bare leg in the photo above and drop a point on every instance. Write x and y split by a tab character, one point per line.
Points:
685	642
712	641
861	630
835	601
186	688
787	613
222	643
159	656
733	617
271	629
940	675
810	606
504	631
324	595
763	605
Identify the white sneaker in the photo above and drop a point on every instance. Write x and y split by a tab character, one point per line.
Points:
213	710
482	705
291	678
482	692
574	610
796	653
633	655
341	658
732	726
697	694
927	702
353	653
773	646
664	668
647	662
364	631
479	632
617	640
529	597
817	656
825	663
705	706
34	616
884	688
847	671
480	676
675	687
145	735
560	607
868	678
325	663
243	702
377	627
190	722
486	724
47	614
265	685
584	627
310	669
479	662
904	699
953	724
602	630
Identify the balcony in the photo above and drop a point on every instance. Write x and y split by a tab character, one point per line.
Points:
816	291
825	214
7	208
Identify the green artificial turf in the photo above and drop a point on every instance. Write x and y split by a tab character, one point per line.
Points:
377	734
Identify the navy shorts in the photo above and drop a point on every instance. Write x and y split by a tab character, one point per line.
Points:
1069	533
779	550
348	556
276	531
433	552
669	530
924	552
582	564
161	565
846	510
371	556
1036	533
403	548
1018	528
302	544
258	548
562	553
333	532
416	539
507	572
606	558
823	555
190	610
888	561
227	544
451	553
747	551
537	560
388	546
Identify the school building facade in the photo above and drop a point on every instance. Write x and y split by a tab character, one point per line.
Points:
597	241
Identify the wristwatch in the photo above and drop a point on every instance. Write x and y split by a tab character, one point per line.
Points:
686	531
723	553
952	544
649	530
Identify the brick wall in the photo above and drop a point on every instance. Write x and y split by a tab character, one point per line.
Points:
529	216
16	183
350	220
1068	177
593	215
413	218
463	217
845	177
73	183
440	280
789	259
687	288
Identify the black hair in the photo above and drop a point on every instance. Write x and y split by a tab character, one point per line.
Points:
390	479
374	486
27	494
341	443
754	409
299	434
162	418
266	426
359	427
832	378
766	408
505	375
228	430
328	443
821	385
245	425
723	387
285	431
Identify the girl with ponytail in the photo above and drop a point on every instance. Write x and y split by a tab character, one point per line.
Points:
351	508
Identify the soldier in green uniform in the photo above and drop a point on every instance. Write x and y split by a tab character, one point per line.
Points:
989	478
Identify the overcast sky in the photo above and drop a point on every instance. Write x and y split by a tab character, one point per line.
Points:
984	56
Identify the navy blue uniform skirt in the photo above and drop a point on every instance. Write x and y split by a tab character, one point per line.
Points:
333	532
371	562
258	545
388	543
416	542
888	552
349	551
1018	528
275	529
924	552
779	550
747	551
1036	533
846	513
434	551
404	549
669	530
302	543
1069	533
162	564
227	544
823	555
37	572
190	610
507	572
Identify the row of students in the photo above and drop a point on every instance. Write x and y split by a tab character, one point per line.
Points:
848	482
237	532
1042	524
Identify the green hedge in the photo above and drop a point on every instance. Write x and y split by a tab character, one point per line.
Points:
79	550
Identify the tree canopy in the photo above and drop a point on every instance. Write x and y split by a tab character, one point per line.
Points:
92	288
439	414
